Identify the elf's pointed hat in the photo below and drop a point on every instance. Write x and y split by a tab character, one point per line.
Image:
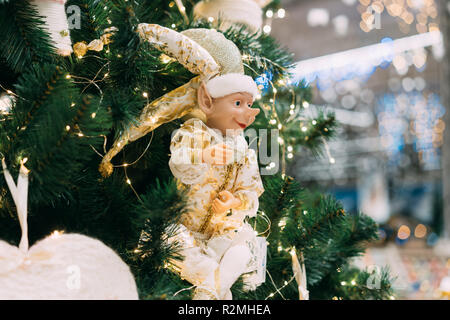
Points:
205	52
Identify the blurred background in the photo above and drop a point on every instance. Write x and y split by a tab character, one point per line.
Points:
381	67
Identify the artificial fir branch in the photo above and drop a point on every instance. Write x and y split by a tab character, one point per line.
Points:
24	120
94	18
47	157
23	38
316	227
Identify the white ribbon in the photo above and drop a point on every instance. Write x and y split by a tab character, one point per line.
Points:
300	275
20	196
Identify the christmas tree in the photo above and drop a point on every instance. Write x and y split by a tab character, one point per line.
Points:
65	109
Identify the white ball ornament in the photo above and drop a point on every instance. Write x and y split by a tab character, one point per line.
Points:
231	12
61	266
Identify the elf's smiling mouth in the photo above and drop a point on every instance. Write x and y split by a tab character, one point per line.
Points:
243	126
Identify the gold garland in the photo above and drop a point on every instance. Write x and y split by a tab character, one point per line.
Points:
80	48
230	169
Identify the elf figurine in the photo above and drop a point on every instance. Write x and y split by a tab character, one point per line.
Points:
210	159
213	162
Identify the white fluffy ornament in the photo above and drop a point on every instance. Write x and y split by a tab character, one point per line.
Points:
54	14
231	12
6	103
61	266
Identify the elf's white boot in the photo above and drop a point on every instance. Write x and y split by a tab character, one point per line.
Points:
232	266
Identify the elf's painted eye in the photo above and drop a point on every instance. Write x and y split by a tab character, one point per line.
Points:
237	103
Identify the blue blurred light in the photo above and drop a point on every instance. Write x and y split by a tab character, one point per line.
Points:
264	80
432	239
401	242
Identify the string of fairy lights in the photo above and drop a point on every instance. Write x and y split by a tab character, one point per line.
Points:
422	13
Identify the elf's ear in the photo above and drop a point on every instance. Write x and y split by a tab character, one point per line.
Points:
204	99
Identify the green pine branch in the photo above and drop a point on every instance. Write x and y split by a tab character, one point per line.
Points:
158	213
24	38
54	127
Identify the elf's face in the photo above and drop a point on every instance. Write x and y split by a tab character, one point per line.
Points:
230	114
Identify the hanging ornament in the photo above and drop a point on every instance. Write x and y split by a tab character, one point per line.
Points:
61	266
54	14
80	48
300	275
6	103
232	12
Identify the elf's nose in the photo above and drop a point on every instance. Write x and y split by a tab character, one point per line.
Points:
251	114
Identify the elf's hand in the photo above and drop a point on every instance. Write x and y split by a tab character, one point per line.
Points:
218	154
225	201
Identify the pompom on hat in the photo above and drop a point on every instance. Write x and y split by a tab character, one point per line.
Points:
231	78
205	52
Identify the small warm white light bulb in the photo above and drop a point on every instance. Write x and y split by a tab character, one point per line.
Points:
281	13
269	13
267	29
56	234
128	181
145	94
67	128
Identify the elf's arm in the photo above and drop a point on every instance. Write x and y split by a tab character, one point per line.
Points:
186	150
